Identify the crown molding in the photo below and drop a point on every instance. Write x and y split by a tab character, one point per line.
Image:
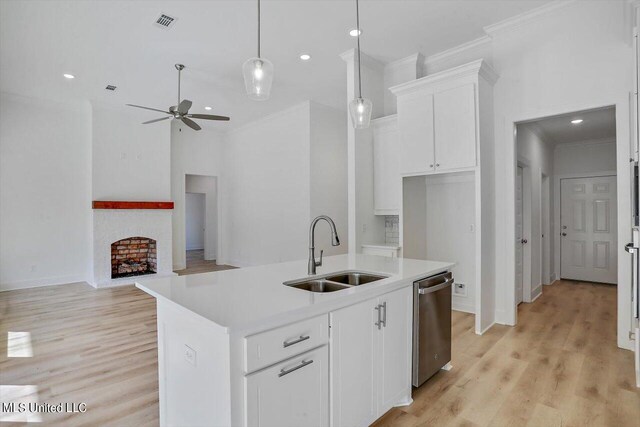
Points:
516	21
367	61
456	50
416	59
478	67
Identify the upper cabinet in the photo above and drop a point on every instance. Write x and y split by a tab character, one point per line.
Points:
387	183
438	119
454	126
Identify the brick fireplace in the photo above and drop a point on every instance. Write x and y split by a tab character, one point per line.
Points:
133	256
131	241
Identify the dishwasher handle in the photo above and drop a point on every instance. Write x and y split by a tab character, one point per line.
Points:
431	289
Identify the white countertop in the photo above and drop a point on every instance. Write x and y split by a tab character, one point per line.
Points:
381	246
253	299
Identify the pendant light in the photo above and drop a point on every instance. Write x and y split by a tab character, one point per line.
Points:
360	108
258	73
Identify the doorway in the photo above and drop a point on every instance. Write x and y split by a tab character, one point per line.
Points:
588	217
201	219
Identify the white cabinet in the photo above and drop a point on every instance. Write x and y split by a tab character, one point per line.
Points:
415	124
395	342
381	250
293	393
455	128
370	358
438	120
387	183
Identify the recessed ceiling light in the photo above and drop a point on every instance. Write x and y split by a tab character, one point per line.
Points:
207	108
69	76
305	57
576	121
355	33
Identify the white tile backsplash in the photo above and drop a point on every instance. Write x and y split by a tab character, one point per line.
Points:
391	229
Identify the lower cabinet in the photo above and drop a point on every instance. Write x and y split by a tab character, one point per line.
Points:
370	357
292	393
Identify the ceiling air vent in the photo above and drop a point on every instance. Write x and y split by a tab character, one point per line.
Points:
165	21
110	87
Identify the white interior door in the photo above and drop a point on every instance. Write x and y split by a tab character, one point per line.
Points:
588	218
519	237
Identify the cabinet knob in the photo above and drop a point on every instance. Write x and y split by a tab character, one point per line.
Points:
437	165
431	165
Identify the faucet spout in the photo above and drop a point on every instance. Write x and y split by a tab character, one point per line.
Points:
335	241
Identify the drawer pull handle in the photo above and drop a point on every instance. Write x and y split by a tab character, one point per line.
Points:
302	364
296	341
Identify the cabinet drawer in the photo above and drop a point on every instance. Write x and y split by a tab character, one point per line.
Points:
294	393
272	346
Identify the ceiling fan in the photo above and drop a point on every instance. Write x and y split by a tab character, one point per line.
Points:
181	111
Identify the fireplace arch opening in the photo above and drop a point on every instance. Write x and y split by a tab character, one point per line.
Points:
133	256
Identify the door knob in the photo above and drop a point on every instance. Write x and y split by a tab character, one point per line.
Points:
563	234
524	241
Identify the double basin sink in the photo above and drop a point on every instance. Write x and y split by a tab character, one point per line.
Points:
334	281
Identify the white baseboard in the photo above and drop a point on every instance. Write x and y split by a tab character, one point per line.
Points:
37	283
482	332
539	289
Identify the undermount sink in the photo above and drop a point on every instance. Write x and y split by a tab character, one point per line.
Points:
318	285
355	278
334	281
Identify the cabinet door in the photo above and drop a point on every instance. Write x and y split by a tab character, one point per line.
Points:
395	349
386	171
455	128
415	123
293	393
353	364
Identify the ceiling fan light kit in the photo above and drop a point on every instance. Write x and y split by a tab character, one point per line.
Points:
360	108
258	73
180	111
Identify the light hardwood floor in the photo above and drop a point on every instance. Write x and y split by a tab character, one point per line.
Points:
197	264
558	367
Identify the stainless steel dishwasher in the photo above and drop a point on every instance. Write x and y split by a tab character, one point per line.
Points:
431	326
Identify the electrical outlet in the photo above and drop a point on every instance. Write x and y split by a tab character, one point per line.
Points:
34	268
460	289
190	355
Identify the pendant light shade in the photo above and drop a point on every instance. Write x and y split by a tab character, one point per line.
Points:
360	111
360	108
258	73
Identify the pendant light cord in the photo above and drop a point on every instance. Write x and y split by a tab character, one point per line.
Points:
358	30
179	72
258	28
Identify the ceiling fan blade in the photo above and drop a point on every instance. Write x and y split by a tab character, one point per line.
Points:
147	108
183	107
193	125
208	117
156	120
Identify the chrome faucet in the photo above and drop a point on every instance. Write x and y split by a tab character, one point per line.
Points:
335	241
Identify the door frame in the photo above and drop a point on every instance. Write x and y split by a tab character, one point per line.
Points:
527	183
557	213
546	215
506	311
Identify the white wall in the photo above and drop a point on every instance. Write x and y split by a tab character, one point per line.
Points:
450	230
328	175
265	200
535	155
194	220
130	160
192	153
45	192
207	186
585	157
577	56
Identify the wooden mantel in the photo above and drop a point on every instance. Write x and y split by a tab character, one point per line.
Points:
111	204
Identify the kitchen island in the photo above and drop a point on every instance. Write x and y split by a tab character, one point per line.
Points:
238	347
